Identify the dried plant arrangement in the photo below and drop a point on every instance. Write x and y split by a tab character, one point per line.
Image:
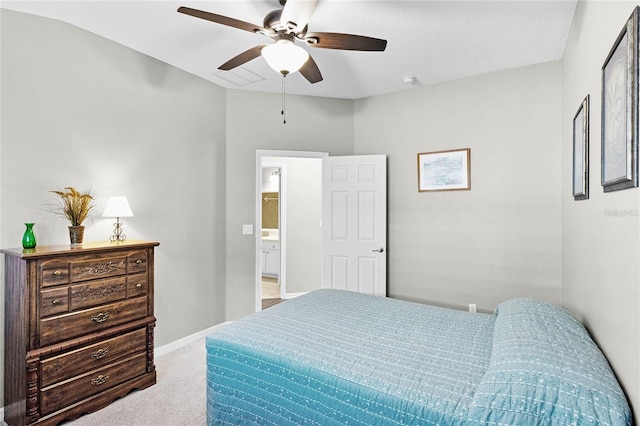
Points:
73	205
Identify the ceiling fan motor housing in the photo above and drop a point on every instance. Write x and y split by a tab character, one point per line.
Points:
272	20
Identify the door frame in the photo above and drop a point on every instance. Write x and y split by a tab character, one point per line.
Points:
260	155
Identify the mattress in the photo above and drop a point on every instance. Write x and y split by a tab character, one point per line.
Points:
337	357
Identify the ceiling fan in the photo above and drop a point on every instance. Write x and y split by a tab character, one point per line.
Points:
285	26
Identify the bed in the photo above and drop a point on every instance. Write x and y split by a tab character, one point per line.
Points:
338	357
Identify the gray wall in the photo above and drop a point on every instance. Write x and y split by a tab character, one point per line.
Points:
83	111
601	245
501	239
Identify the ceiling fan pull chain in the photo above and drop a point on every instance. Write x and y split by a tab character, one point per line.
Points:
284	92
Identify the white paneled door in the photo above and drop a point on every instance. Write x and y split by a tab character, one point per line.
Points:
354	223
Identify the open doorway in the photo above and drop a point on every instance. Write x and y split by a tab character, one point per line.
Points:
272	288
298	233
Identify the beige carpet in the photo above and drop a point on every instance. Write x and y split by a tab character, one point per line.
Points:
178	398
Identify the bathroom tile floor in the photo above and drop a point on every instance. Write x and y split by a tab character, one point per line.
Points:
270	288
270	292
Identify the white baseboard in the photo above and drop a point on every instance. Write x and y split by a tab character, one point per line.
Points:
170	347
293	295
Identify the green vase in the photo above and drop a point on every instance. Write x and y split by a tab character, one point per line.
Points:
29	238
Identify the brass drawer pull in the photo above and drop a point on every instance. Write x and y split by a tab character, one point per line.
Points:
101	317
139	285
139	261
100	353
57	273
100	380
56	301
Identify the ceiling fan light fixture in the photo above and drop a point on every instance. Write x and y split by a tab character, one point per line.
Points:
284	56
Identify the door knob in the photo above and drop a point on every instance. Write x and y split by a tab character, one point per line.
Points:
380	250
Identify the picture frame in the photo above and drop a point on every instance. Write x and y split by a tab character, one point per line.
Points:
581	152
619	151
444	170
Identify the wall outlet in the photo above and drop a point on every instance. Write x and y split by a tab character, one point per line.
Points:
472	307
247	229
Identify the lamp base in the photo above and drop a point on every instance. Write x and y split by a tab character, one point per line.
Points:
117	232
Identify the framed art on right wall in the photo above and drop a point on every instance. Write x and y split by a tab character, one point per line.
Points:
620	110
581	152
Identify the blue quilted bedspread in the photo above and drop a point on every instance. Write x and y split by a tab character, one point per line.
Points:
336	357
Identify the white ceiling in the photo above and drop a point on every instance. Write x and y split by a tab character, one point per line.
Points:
434	41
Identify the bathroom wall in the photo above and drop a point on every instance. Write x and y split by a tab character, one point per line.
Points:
270	210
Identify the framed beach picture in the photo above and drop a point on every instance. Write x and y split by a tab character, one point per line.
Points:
444	170
620	110
581	152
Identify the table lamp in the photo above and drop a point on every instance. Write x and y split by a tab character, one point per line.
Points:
117	207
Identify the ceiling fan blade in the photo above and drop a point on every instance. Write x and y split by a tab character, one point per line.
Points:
310	71
224	20
242	58
298	12
345	42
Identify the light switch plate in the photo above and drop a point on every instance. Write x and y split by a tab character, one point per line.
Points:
247	229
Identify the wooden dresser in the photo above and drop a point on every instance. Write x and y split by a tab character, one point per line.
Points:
78	328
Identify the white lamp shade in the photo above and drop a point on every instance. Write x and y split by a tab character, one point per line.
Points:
117	207
284	56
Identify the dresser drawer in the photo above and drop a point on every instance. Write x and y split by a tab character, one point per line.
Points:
67	326
58	396
137	285
54	301
73	363
98	268
94	293
54	273
137	262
